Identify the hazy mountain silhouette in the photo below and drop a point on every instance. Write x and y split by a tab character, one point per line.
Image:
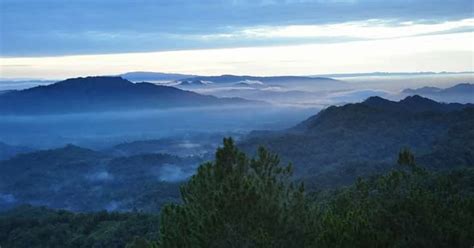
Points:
8	151
228	79
153	76
462	93
365	137
93	94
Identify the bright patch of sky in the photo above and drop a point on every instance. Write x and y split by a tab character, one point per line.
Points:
57	39
424	53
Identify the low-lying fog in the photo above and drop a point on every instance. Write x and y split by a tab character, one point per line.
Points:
350	89
291	103
160	148
100	130
396	84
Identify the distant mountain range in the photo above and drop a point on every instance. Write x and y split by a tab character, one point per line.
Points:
331	148
340	143
159	76
92	94
232	79
463	93
222	79
8	151
153	76
279	89
388	74
192	83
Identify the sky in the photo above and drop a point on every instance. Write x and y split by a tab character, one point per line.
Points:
54	39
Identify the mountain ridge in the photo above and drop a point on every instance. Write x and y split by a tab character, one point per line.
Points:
153	76
228	78
462	93
103	93
365	137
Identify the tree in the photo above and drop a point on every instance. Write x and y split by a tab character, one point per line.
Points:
237	202
406	157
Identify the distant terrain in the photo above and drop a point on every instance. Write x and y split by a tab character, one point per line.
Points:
96	94
137	76
290	82
329	149
391	74
340	143
257	194
8	151
462	93
81	179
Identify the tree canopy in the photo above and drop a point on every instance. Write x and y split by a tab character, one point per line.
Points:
236	201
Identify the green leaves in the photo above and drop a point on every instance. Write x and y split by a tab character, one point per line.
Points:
405	157
236	201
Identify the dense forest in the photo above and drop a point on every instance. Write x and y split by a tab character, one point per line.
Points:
80	179
242	201
341	143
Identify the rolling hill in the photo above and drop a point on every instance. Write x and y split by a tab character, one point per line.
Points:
341	143
81	179
96	94
462	93
294	81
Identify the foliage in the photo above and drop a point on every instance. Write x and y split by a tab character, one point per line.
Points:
31	227
405	157
404	208
80	179
241	202
237	202
366	137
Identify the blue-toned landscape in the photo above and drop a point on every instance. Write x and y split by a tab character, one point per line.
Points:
236	123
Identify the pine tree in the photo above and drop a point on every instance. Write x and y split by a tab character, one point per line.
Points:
237	202
406	157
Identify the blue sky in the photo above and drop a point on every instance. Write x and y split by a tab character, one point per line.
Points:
50	28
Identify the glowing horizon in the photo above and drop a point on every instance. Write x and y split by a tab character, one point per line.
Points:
436	53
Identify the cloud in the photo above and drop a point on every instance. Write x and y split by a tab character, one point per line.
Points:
369	29
173	173
54	27
451	52
100	176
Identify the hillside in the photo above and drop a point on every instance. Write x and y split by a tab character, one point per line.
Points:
254	204
8	151
462	93
319	82
92	94
81	179
341	143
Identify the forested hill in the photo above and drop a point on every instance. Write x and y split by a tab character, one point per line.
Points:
340	143
93	94
81	179
242	201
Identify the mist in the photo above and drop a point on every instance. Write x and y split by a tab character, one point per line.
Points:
173	173
100	130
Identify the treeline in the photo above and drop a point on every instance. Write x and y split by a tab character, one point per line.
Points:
237	201
341	143
28	226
